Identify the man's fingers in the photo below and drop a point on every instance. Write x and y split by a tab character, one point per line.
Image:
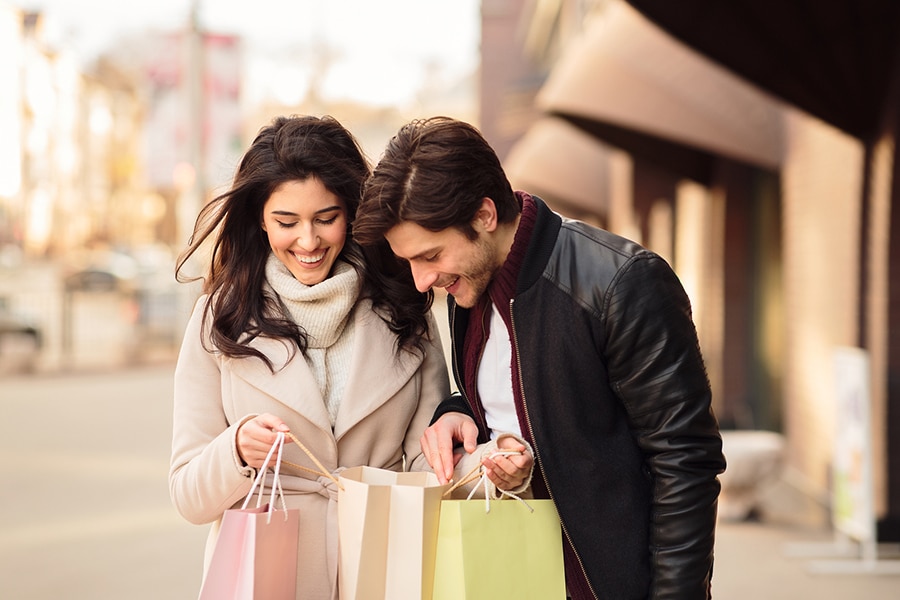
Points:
503	480
445	456
508	472
438	451
437	442
469	435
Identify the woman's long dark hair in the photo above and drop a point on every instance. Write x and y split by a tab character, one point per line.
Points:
238	308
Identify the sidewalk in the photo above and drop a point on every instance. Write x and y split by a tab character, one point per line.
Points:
758	560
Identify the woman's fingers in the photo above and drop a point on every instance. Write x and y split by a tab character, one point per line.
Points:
256	436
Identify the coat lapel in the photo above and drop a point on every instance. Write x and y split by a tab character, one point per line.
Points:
377	372
292	384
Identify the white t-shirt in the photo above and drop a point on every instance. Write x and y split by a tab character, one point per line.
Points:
495	379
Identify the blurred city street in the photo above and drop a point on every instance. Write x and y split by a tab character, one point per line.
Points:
86	511
87	514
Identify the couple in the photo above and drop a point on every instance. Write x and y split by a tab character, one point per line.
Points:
570	344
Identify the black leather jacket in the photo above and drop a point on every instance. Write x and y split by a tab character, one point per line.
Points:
618	403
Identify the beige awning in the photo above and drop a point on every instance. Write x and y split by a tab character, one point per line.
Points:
564	165
625	71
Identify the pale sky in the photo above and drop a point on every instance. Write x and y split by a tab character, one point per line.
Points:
381	50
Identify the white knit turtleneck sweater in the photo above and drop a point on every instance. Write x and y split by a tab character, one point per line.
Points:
323	311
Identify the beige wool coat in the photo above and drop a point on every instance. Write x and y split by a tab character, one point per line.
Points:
388	402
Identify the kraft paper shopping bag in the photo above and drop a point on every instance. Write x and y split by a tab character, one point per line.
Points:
255	556
511	550
387	526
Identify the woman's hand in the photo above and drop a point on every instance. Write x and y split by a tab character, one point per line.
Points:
256	436
509	472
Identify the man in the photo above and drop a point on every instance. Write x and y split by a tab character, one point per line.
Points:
573	345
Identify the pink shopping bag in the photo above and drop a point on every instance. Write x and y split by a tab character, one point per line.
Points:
255	556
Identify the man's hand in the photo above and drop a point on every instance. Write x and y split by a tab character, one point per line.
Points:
438	440
509	472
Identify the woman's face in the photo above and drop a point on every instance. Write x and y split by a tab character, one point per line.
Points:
307	228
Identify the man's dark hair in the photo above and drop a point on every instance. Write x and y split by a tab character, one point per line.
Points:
435	173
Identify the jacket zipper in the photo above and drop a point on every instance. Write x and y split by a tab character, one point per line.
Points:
478	414
512	320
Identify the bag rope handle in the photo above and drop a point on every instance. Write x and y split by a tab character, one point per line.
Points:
475	473
481	475
276	481
322	472
467	478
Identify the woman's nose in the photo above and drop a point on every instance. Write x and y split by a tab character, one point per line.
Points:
307	239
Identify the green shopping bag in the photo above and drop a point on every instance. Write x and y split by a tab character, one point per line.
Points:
507	548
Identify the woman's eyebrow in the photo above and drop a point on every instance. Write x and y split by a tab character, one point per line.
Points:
287	213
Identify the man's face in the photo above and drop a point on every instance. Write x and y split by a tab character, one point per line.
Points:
446	259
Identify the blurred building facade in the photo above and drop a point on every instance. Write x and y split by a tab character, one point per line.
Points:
105	165
75	149
776	219
67	148
88	227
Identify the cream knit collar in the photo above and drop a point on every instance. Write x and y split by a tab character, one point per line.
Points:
322	309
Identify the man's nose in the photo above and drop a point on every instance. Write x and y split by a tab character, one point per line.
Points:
424	277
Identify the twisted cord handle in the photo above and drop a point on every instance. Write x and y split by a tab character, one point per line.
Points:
276	481
323	471
481	475
467	478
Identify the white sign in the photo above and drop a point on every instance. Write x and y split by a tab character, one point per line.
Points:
853	509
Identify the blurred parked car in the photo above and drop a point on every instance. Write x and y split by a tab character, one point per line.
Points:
94	280
20	344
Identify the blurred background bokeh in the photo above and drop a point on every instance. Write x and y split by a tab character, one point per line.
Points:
750	143
120	120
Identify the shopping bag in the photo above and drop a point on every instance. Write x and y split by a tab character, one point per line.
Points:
255	556
387	532
508	548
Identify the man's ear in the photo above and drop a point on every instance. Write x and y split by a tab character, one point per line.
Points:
486	216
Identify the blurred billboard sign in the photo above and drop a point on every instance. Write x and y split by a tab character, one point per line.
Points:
172	71
855	549
853	504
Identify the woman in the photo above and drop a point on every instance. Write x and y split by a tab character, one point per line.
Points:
301	330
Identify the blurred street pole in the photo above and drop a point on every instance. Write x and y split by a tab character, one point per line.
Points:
195	93
192	182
